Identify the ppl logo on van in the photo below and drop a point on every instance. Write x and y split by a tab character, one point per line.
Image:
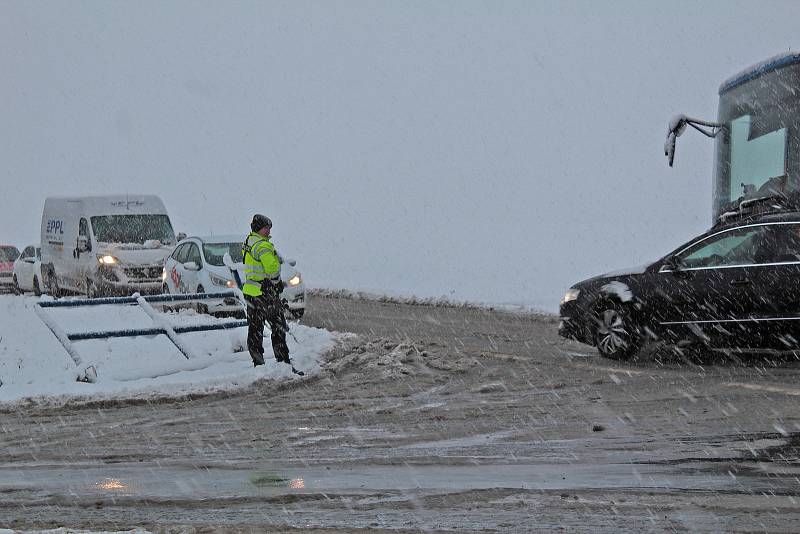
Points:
54	227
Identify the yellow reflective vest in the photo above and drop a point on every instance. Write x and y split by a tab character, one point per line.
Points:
260	262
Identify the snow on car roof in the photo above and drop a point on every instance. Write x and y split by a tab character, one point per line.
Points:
222	238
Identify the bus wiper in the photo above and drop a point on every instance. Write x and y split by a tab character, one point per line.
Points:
770	200
677	126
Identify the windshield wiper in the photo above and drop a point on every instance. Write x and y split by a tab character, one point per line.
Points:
769	201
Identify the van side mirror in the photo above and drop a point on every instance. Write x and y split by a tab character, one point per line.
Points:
83	244
292	262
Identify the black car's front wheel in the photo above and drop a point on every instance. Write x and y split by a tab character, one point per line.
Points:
615	335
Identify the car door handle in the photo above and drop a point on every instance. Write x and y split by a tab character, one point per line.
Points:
740	282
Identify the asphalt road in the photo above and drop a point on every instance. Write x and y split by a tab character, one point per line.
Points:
429	418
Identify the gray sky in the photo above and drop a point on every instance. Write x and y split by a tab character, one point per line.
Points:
489	151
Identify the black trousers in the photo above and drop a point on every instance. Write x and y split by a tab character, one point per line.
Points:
266	308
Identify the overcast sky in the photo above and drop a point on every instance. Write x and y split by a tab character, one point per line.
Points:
487	151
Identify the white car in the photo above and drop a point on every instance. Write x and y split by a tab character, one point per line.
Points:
197	266
28	271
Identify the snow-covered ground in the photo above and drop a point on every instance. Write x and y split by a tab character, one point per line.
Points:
33	363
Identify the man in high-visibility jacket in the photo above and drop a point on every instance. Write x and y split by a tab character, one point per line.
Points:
262	289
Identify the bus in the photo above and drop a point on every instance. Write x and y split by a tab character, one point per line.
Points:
757	138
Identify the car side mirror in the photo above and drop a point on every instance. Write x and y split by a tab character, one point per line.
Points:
673	263
191	266
83	244
292	262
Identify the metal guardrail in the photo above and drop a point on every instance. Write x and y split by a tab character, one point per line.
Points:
134	299
161	326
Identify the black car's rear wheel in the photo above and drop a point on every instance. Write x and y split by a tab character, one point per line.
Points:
615	335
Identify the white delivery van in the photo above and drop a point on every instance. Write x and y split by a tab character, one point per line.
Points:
105	245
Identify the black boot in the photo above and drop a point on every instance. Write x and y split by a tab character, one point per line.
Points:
258	358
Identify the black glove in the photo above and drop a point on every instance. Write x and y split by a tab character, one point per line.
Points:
272	285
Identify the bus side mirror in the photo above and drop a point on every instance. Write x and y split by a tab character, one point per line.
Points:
676	127
678	124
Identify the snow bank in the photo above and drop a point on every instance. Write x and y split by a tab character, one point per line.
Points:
34	364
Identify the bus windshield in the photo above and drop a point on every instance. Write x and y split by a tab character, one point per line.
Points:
758	153
133	229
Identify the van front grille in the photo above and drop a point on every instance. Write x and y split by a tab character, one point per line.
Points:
143	274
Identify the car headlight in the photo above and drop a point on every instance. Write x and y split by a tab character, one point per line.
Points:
164	275
295	280
219	281
107	259
570	295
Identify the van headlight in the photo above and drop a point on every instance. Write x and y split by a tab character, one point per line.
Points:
570	295
107	259
295	280
219	281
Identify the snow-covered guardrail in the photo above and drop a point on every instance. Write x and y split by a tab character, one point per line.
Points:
160	324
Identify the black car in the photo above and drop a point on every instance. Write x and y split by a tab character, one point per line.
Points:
737	286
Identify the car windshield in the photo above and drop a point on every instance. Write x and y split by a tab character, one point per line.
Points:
8	253
215	252
134	229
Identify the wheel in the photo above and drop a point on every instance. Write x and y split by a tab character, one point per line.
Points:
36	289
165	291
200	306
51	283
616	336
91	290
15	286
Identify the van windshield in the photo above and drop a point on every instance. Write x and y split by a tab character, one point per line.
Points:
133	229
215	252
